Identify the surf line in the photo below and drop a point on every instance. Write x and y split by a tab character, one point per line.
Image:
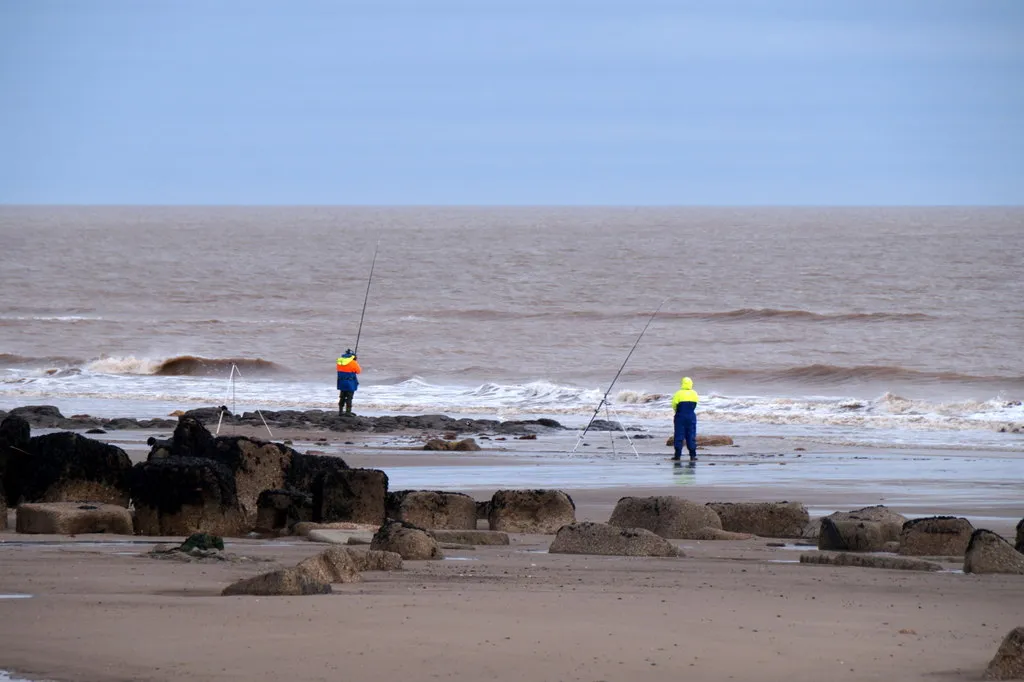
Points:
604	399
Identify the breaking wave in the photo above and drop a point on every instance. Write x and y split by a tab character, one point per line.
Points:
182	365
824	374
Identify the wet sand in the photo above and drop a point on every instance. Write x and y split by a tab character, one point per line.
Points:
728	610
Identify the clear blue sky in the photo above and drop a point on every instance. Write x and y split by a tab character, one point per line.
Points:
499	102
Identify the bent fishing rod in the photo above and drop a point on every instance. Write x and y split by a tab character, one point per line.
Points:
366	297
604	399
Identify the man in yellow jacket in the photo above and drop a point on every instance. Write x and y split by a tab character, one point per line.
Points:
684	405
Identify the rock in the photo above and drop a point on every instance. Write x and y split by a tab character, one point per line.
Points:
284	582
375	560
410	542
433	509
40	416
190	439
202	541
470	444
356	495
767	519
708	441
68	467
257	465
1020	537
185	495
669	517
1008	663
282	509
811	529
709	533
483	510
934	536
73	518
868	561
471	537
892	523
851	535
989	553
304	528
892	547
439	444
3	510
588	537
530	511
334	565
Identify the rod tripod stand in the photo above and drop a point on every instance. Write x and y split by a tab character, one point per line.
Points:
231	395
611	432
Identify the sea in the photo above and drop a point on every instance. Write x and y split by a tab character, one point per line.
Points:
891	327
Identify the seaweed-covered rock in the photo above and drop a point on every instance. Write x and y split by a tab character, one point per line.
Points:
185	495
3	510
890	522
433	509
68	467
600	538
1008	663
72	518
356	495
1020	537
851	535
530	511
282	509
935	536
987	552
202	541
669	517
40	416
284	582
410	542
15	434
257	465
191	438
767	519
305	468
868	561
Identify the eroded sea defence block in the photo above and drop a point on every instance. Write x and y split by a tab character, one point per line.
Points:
355	495
410	542
587	537
988	552
851	535
936	536
667	516
73	518
530	511
185	495
433	509
767	519
1008	663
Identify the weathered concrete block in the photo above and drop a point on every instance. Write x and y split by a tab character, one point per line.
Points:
600	538
433	509
851	535
284	582
669	517
987	552
68	467
1008	663
530	511
868	561
471	537
185	495
282	509
72	518
767	519
410	542
356	495
935	536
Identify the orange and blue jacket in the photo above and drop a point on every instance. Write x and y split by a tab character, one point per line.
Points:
348	368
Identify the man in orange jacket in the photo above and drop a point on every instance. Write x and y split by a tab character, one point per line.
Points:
348	382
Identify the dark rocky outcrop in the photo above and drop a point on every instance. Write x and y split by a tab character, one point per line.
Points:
68	467
767	519
410	542
891	523
73	518
600	538
530	511
987	552
669	517
466	444
851	535
185	495
868	561
936	536
1020	537
1008	663
433	509
15	434
305	468
49	417
355	495
281	509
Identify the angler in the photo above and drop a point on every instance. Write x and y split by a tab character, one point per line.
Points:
684	405
348	382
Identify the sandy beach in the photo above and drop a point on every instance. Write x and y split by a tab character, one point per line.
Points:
100	610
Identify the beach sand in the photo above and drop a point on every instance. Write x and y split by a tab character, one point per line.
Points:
101	611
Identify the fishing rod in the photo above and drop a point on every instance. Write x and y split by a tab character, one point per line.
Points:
604	399
367	297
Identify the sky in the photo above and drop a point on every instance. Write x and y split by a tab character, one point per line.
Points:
494	102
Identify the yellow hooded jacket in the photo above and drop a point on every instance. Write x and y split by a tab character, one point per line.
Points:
685	394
